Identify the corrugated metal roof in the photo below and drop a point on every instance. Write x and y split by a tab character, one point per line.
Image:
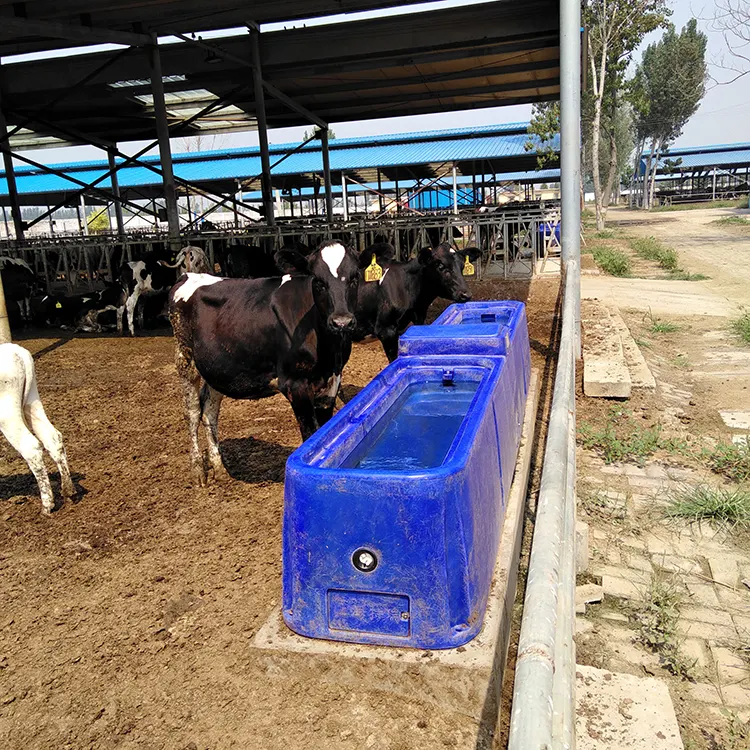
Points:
347	155
726	155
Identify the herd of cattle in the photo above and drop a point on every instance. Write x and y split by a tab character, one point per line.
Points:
285	325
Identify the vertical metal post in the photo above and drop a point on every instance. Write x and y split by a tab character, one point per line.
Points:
5	337
165	154
345	198
82	208
570	148
398	199
10	177
713	185
327	174
455	190
116	193
51	223
260	115
380	192
5	221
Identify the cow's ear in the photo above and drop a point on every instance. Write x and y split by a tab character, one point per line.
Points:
290	261
383	252
426	255
474	253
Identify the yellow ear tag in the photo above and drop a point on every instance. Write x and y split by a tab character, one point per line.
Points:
58	305
373	272
468	269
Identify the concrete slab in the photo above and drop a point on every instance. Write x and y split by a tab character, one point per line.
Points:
662	297
640	373
737	420
465	679
623	712
605	371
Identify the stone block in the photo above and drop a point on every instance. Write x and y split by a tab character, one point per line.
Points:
588	593
708	615
695	650
675	564
705	630
724	569
637	562
646	483
703	594
620	571
621	588
659	545
583	625
730	668
605	371
616	711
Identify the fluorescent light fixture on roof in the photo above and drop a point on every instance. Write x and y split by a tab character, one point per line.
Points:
135	83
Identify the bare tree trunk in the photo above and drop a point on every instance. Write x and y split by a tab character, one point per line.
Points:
612	170
646	175
632	199
597	80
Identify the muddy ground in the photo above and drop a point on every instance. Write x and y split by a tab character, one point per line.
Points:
126	617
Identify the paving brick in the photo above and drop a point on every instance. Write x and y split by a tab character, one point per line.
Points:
634	561
736	696
613	469
634	542
742	623
704	693
634	471
582	546
695	629
646	482
724	569
634	654
583	625
659	545
618	571
695	650
588	593
703	594
621	588
656	471
730	668
708	615
614	616
675	564
737	601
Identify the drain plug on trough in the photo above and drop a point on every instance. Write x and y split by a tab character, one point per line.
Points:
365	560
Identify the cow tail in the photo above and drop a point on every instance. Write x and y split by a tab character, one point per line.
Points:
204	396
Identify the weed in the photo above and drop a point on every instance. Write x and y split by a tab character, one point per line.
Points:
732	221
687	276
606	234
731	460
734	203
597	504
738	732
681	361
657	620
741	327
657	325
643	343
722	506
611	261
650	248
622	439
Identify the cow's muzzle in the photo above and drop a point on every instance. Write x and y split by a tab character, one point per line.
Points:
341	323
463	297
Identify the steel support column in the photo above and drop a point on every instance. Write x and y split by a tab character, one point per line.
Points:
116	193
165	153
260	115
345	198
10	177
327	174
455	190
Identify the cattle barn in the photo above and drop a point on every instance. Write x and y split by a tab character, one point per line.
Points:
131	613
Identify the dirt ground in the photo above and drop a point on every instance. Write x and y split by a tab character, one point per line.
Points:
126	616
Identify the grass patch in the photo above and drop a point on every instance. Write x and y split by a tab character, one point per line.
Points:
732	221
687	276
657	325
642	343
731	460
734	203
657	620
623	439
681	361
649	248
611	261
606	234
722	506
741	327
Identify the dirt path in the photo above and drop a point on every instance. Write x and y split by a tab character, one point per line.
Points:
721	253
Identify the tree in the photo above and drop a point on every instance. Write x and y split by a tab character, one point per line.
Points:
615	29
544	133
309	134
732	20
668	87
98	221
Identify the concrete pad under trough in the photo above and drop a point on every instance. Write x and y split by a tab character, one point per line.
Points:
623	712
640	374
465	679
605	370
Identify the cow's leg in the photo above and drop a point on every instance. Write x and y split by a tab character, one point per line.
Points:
389	339
210	405
130	305
50	438
191	389
13	426
300	397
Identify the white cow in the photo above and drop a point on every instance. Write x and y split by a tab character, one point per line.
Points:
22	421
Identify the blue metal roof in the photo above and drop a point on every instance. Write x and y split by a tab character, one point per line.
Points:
346	154
724	155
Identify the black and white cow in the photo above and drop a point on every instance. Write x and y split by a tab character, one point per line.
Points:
249	338
19	283
402	296
141	278
190	259
251	262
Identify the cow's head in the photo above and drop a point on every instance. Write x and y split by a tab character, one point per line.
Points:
335	278
445	266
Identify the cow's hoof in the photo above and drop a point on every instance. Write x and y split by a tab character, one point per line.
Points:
219	475
199	478
47	511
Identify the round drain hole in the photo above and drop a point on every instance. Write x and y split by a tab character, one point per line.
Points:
365	560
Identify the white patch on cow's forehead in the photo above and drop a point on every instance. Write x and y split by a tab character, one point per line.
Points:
286	277
453	251
332	257
194	281
383	276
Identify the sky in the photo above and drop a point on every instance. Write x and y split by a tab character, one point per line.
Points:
723	116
